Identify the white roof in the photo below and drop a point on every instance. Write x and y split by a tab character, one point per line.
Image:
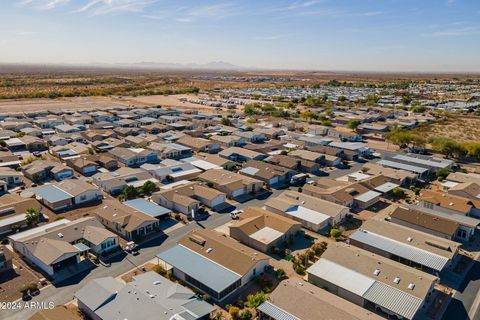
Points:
449	184
266	235
386	187
345	278
359	175
367	196
36	230
205	165
308	215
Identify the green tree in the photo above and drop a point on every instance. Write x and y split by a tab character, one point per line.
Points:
226	121
443	173
406	100
129	192
255	299
32	216
398	193
248	128
246	315
447	146
353	124
148	187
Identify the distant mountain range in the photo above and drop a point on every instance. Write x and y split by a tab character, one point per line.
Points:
215	65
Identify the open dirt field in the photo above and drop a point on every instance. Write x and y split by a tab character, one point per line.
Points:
459	128
90	103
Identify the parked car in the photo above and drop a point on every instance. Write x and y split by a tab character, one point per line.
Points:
235	214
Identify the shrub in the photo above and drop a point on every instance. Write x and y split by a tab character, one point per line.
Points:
299	270
255	299
159	269
28	289
335	233
398	193
234	311
246	315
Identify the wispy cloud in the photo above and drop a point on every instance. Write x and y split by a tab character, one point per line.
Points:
25	33
270	37
99	7
454	32
44	4
191	14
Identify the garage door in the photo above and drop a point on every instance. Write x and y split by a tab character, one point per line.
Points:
273	180
237	193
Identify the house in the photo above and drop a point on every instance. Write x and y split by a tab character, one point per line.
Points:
307	155
108	144
343	134
270	133
170	150
365	278
13	210
313	213
401	177
250	136
70	150
129	223
263	230
433	164
293	163
67	194
290	299
114	182
213	263
8	159
67	129
444	202
187	197
61	244
228	141
199	144
43	170
270	174
84	166
149	208
6	264
421	250
11	177
33	143
359	148
133	157
232	184
241	155
460	177
449	226
353	195
15	145
214	160
266	147
148	296
468	190
171	172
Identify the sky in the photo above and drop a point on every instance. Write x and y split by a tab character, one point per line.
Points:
357	35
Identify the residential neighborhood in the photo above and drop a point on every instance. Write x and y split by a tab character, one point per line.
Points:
155	212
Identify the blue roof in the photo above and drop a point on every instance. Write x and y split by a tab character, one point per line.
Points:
67	152
147	207
199	267
51	193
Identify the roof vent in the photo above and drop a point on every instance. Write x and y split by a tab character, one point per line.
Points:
409	239
60	235
396	280
411	286
209	250
157	282
376	272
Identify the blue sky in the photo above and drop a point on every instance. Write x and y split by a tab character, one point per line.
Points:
383	35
